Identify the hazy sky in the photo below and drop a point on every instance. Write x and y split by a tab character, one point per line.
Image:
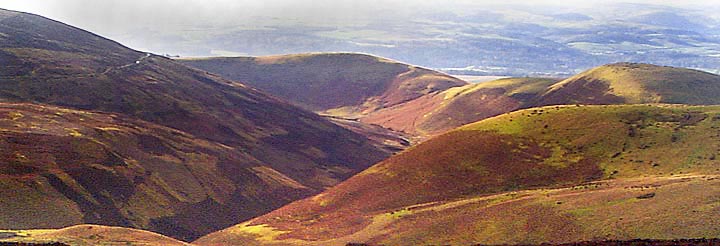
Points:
107	16
127	20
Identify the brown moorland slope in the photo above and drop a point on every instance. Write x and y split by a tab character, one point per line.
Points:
620	83
64	167
51	63
439	112
635	83
554	174
340	84
89	235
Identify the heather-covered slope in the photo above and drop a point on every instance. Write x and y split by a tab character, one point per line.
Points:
621	83
340	84
553	174
438	112
47	62
63	167
298	78
635	83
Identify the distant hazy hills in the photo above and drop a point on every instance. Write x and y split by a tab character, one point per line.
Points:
469	37
176	150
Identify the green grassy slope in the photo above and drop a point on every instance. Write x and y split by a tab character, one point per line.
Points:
47	62
523	152
636	83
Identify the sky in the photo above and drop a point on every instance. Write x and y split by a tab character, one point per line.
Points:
110	16
126	20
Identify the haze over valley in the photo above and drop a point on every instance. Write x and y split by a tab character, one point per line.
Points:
518	38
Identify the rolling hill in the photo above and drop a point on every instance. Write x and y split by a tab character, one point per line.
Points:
90	235
376	91
438	112
245	144
340	84
345	92
533	176
620	83
635	83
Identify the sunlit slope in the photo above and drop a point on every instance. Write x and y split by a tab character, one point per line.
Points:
438	112
636	83
90	235
505	179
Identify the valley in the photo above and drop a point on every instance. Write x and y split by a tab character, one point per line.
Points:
193	153
107	145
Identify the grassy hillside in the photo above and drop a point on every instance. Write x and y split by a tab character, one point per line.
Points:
438	112
340	84
50	63
552	174
636	83
90	235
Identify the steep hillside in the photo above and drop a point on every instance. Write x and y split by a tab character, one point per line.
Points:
438	112
48	62
340	84
65	167
553	174
91	235
635	83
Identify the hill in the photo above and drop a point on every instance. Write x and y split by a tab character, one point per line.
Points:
621	83
50	63
65	167
376	91
340	84
90	235
635	83
554	174
442	111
